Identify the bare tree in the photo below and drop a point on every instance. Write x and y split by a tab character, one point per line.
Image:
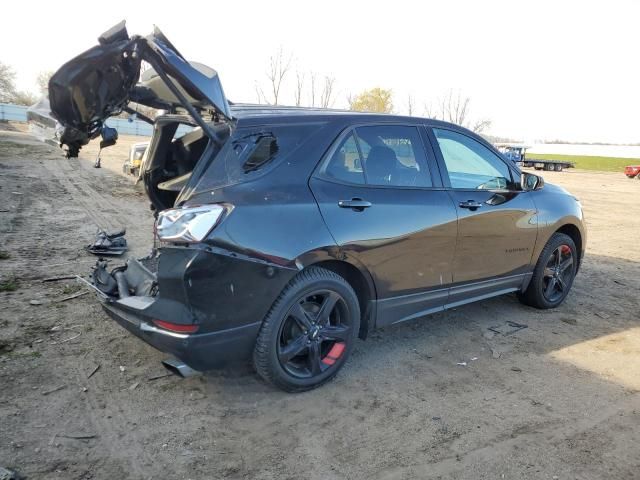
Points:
410	103
312	90
23	97
278	68
7	85
327	92
454	108
480	126
299	87
429	111
42	80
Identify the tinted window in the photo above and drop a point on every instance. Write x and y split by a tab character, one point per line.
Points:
381	155
470	164
393	155
345	164
250	152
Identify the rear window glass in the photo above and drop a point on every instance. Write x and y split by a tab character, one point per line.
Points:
251	152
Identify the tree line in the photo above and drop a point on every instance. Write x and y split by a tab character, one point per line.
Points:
310	89
313	90
9	92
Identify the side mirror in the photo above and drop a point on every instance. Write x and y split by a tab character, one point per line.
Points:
109	137
529	181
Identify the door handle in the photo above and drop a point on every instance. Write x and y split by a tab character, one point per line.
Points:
470	204
356	204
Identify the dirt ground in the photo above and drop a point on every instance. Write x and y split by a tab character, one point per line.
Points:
556	400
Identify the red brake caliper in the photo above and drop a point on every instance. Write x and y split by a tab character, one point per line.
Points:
334	354
565	249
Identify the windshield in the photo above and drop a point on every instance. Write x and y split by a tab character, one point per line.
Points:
251	152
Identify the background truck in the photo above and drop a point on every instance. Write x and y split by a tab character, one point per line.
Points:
517	154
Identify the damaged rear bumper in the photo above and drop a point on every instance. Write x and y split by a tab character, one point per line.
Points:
200	351
213	301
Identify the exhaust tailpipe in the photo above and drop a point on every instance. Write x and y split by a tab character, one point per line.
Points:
179	368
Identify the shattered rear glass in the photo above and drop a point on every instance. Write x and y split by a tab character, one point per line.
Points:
251	152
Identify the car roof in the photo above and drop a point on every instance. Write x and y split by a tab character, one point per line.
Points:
268	113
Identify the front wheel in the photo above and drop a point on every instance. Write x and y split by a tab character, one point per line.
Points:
309	332
554	273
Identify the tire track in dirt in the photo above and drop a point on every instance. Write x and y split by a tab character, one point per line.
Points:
102	210
548	432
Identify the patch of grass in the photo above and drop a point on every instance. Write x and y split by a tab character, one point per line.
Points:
603	164
9	284
4	255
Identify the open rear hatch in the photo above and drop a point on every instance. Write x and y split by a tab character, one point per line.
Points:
102	81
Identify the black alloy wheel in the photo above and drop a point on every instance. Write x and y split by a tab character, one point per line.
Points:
310	331
314	333
558	273
553	274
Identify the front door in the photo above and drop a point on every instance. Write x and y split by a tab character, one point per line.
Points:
388	212
497	221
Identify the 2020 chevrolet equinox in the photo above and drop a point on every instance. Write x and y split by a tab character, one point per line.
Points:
286	233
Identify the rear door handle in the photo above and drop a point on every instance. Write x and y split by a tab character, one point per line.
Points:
356	204
470	204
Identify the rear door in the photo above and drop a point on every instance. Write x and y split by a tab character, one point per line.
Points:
497	221
384	203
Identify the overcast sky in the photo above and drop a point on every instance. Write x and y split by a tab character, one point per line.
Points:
538	69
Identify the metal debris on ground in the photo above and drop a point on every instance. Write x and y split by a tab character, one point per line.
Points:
109	243
93	372
81	436
54	390
156	377
71	297
56	279
508	328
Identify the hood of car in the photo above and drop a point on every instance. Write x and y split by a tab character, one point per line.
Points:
101	81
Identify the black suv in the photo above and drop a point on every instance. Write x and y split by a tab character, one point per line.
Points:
287	233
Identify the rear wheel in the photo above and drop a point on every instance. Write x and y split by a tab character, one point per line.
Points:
309	332
558	167
554	273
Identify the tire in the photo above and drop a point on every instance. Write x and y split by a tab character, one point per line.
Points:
299	347
539	293
558	167
548	167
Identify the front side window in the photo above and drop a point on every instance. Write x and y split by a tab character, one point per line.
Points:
470	164
387	155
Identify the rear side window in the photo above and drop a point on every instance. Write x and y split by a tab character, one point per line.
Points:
388	155
252	151
346	164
